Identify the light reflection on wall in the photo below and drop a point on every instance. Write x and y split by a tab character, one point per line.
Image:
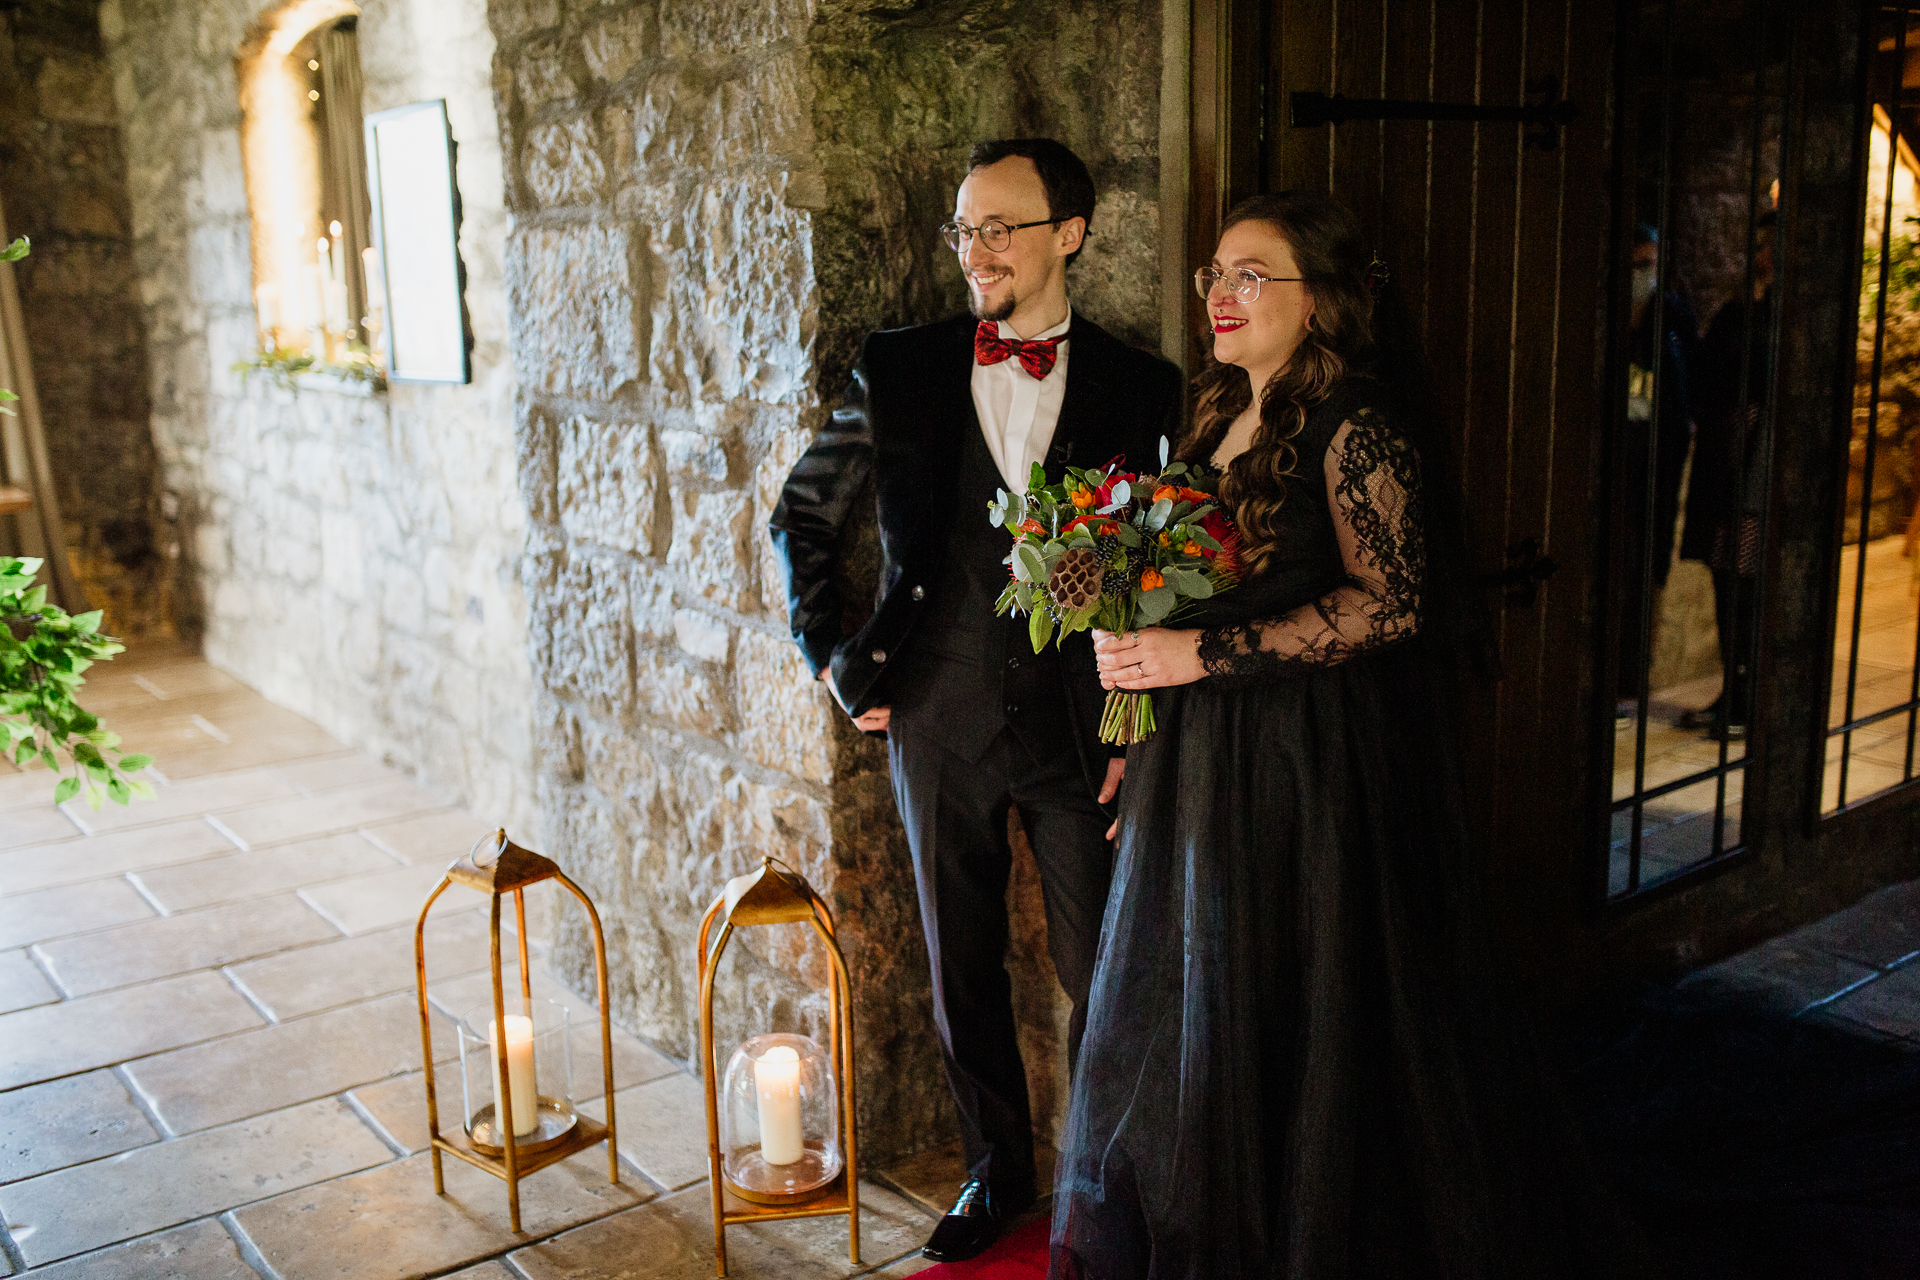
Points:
281	151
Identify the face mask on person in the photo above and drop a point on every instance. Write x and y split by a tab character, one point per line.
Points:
1644	281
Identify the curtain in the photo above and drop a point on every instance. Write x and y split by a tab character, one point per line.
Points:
343	155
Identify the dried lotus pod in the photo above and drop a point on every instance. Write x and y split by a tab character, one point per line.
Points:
1075	582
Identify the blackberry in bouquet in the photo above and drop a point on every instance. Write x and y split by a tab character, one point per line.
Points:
1114	549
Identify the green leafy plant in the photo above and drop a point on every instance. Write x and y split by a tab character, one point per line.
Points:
43	651
1903	273
284	365
12	253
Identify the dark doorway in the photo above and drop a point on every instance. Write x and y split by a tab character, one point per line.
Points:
1649	770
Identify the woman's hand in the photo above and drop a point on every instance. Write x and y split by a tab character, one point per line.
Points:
1152	659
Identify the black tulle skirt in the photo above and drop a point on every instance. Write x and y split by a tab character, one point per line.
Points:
1299	1060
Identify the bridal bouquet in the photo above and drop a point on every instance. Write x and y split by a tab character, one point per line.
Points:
1113	549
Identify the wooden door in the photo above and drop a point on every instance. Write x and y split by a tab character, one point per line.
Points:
1496	244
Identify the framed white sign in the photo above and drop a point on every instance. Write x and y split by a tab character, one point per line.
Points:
416	221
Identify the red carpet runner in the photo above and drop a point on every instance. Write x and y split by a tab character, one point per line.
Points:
1019	1255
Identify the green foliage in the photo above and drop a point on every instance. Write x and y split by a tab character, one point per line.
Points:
1903	274
43	651
284	365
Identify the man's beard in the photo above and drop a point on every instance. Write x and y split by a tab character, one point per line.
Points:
997	311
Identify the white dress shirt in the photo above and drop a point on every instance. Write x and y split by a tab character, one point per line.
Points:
1018	411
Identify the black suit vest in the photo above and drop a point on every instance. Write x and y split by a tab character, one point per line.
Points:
966	674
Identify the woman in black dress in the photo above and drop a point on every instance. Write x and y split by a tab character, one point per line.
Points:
1296	1061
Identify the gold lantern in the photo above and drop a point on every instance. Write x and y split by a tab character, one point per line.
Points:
780	1131
550	1129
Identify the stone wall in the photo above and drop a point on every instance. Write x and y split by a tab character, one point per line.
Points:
63	181
711	203
356	556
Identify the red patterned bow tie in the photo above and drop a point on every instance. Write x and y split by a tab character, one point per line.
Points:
1036	355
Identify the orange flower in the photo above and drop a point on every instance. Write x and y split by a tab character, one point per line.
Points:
1030	525
1194	496
1166	493
1150	578
1166	539
1083	498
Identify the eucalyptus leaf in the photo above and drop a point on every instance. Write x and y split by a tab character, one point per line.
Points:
1040	629
1157	517
1155	605
1122	493
1163	454
1128	535
1027	563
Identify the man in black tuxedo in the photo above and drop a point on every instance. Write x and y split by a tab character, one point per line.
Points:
939	417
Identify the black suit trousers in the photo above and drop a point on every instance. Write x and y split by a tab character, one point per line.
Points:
955	812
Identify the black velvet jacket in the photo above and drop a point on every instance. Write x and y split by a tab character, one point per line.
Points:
901	423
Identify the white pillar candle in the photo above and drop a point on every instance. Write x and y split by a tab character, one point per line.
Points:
526	1101
338	274
266	302
776	1077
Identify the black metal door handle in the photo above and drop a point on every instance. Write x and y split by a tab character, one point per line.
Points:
1526	569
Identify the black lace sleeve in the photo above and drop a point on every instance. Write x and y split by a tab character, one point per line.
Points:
1373	491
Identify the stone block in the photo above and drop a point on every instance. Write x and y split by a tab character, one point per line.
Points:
786	716
616	43
213	794
436	838
65	1122
673	1238
54	913
582	637
735	316
702	636
575	290
201	939
370	902
686	693
695	455
280	821
538	444
273	1067
387	1223
257	874
97	1031
542	79
22	985
331	974
710	547
606	484
562	164
731	25
198	1251
75	91
157	1186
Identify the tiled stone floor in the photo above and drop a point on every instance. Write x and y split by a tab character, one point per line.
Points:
209	1050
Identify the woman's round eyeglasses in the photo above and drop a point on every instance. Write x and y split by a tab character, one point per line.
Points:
993	233
1241	283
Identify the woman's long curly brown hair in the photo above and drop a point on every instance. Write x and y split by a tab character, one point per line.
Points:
1334	262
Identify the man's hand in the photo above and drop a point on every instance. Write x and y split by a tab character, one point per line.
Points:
872	720
1116	770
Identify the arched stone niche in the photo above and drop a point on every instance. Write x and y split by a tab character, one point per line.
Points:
280	150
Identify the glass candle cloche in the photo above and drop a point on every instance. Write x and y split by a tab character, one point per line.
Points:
539	1075
779	1119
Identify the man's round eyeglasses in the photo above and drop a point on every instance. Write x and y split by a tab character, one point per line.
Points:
993	233
1241	283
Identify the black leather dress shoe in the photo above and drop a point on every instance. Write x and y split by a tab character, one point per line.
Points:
970	1226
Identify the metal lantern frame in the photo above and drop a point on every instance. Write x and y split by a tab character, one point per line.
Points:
776	894
512	869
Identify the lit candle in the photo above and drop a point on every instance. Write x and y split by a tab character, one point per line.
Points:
526	1102
338	273
776	1077
266	302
